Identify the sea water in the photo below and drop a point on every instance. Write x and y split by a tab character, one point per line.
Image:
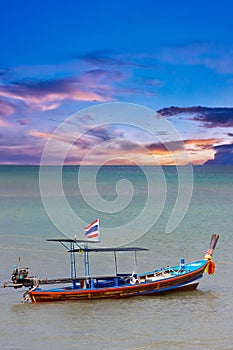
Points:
189	320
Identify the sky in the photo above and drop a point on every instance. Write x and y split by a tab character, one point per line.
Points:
175	58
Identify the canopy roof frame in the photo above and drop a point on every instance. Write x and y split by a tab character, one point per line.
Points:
85	249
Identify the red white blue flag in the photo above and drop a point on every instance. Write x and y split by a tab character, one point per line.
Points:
92	230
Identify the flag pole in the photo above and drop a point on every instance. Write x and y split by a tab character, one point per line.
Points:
86	260
91	231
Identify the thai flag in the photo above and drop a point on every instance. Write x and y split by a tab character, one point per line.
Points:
92	230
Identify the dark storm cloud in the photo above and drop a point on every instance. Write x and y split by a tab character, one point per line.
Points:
209	117
223	155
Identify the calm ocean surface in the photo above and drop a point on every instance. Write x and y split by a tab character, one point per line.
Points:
190	320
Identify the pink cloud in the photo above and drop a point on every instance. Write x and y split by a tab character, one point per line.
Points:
48	95
6	109
98	81
4	123
48	100
39	134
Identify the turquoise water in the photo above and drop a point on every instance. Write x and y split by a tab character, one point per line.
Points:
193	320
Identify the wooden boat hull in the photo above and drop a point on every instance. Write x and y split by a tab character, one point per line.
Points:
185	281
184	276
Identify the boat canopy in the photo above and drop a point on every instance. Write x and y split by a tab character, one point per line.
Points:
69	240
75	246
87	249
120	249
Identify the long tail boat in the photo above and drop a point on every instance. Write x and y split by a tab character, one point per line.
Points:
184	276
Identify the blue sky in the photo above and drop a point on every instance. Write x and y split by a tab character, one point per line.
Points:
174	57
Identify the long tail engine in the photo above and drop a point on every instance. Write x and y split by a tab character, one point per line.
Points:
20	277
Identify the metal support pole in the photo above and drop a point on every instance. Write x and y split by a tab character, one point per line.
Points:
135	258
86	261
72	264
115	262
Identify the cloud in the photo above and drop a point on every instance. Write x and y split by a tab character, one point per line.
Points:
178	146
47	95
100	135
198	54
102	58
5	74
109	60
4	123
201	144
6	108
190	53
87	141
99	85
104	140
205	54
198	150
40	134
104	75
100	76
20	155
221	63
2	73
165	148
23	121
105	133
209	117
19	148
153	82
223	155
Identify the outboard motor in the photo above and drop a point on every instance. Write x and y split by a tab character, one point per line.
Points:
20	277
